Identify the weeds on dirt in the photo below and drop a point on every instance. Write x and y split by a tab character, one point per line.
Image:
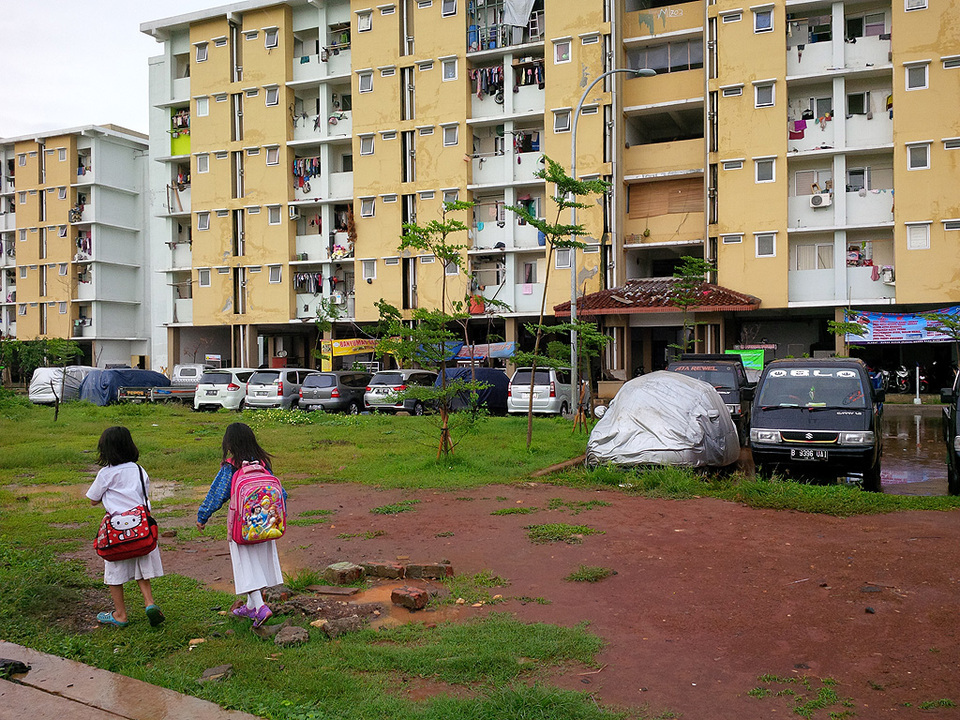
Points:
806	695
524	599
590	573
560	532
302	580
448	533
397	507
471	588
368	535
515	511
934	704
575	507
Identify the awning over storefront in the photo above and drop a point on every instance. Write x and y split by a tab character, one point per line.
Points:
487	350
897	328
651	295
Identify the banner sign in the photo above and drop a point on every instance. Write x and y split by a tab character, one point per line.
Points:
897	328
752	359
355	346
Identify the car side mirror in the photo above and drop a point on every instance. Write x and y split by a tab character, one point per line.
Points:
747	393
947	396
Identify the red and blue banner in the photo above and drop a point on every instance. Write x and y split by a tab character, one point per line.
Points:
898	328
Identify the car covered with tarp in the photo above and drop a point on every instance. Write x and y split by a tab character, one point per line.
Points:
665	418
102	387
47	382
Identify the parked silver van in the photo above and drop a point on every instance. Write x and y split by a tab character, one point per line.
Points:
275	387
552	391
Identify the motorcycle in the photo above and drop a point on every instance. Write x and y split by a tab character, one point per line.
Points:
923	382
901	380
885	379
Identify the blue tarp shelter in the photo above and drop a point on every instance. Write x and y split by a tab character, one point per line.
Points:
493	397
101	387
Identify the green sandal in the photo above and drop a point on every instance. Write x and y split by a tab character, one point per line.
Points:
154	615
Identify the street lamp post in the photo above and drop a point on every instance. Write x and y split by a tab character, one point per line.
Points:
574	351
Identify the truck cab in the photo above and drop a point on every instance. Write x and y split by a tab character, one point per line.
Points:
950	396
818	418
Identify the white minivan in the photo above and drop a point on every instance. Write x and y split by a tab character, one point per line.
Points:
222	388
552	391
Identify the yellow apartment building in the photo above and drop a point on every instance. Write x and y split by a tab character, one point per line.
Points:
292	140
72	222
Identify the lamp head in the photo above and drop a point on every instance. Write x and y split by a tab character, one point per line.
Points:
645	72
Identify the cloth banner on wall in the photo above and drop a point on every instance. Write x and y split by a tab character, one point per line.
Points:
897	328
517	12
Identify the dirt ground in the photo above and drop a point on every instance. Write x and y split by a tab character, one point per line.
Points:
708	595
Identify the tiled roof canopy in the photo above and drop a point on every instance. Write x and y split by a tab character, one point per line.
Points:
650	295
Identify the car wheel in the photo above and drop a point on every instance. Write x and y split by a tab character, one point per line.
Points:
871	477
953	481
418	408
353	409
242	406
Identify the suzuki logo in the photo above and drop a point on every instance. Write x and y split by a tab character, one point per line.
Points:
809	436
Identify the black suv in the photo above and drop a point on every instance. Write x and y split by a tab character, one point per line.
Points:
729	379
818	418
949	397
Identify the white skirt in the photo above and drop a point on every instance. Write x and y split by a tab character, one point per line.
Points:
255	566
117	572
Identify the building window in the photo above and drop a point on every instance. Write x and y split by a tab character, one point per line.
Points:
62	154
449	69
451	135
23	272
62	270
62	231
63	308
562	258
766	244
763	20
23	198
733	164
561	51
917	77
61	193
275	273
732	91
561	121
366	145
388	10
918	156
271	38
368	269
951	144
273	214
425	66
365	81
765	170
731	17
364	21
450	196
272	96
530	272
21	309
918	236
388	135
203	163
731	239
273	156
203	277
203	221
203	106
388	71
425	131
367	207
857	104
764	95
909	5
448	8
427	259
201	55
451	268
391	198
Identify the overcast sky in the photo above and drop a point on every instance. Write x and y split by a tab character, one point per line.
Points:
78	62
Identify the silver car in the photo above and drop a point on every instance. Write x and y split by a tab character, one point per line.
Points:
334	391
275	387
552	391
224	388
382	391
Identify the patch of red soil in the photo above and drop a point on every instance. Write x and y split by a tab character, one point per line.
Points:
708	595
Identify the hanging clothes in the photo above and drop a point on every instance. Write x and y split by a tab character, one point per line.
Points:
488	80
304	169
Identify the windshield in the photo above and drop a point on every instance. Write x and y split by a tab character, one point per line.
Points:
320	381
814	387
387	378
216	378
265	378
522	377
711	374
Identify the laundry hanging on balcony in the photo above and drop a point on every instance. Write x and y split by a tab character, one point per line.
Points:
517	12
304	169
529	75
309	282
487	81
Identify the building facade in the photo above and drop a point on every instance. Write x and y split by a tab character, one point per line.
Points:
72	220
293	140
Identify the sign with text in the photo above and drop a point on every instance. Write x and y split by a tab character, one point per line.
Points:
897	328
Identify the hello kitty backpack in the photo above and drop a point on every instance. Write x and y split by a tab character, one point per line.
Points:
257	510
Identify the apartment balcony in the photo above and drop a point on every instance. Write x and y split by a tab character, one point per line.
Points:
315	128
820	286
867	52
801	215
521	298
816	134
307	305
181	255
8	256
180	89
341	185
178	200
330	62
86	289
183	310
873	129
8	221
8	184
665	157
674	18
312	249
679	228
870	207
665	88
83	326
812	59
492	169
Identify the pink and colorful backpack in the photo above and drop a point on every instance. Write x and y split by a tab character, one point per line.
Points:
257	511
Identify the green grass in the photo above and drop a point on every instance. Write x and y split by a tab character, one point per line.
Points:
590	573
302	580
559	532
472	588
804	696
575	507
393	509
368	535
514	511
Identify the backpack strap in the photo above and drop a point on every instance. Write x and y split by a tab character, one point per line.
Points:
143	487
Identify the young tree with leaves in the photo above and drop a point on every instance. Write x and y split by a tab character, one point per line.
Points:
558	236
60	353
688	293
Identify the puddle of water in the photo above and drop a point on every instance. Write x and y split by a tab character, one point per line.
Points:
394	615
914	454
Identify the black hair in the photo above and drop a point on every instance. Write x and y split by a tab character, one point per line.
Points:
239	444
116	447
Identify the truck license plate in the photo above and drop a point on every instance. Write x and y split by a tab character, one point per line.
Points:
807	454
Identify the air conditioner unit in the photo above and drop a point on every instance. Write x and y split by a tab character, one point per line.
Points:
294	213
821	200
337	298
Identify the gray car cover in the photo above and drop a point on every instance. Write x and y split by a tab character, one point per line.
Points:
665	418
46	382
